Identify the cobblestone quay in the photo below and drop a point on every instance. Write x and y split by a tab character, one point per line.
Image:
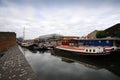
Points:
14	66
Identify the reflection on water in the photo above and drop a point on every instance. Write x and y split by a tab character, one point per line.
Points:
53	65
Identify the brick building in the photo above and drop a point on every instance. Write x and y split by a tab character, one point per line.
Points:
113	31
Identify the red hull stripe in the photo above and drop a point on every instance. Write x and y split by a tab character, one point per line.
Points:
74	48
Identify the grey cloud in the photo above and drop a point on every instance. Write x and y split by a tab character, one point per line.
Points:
53	3
76	19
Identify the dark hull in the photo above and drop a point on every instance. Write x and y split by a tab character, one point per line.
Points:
109	62
81	53
41	48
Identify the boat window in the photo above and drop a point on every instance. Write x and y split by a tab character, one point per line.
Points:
69	44
89	50
93	50
72	44
107	41
90	42
99	41
80	43
86	50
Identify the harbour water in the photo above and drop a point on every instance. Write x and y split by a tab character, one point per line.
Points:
52	65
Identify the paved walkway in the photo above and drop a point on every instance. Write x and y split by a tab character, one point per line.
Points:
13	66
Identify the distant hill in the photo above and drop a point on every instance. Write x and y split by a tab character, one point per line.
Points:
50	36
113	31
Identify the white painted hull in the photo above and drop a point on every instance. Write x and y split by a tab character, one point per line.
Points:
87	50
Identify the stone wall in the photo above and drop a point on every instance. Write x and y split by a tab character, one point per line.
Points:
7	39
14	66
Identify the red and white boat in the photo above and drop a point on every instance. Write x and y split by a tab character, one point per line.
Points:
90	47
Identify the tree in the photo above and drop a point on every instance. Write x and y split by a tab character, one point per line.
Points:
101	34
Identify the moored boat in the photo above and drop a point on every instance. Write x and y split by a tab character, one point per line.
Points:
91	46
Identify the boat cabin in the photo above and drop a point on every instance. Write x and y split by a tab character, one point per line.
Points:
92	42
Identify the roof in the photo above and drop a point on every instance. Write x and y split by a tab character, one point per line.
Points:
70	37
113	38
113	28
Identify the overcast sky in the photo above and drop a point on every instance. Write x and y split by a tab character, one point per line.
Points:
65	17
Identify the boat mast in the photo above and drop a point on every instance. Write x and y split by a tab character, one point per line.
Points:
23	33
